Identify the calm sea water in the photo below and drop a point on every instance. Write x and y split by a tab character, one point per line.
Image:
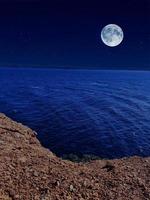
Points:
104	113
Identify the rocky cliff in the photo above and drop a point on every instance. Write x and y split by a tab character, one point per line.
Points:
28	171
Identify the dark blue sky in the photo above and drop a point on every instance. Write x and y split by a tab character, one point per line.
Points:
67	33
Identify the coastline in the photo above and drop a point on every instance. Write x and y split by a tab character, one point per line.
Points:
30	171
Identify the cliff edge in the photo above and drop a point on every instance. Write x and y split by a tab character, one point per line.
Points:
28	171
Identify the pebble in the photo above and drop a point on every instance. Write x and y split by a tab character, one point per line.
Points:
84	183
17	196
35	173
58	183
71	188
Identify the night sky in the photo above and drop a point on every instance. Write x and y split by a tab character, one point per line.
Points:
67	34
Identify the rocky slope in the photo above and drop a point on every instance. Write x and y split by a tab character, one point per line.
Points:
30	172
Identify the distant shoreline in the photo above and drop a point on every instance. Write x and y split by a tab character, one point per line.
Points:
74	68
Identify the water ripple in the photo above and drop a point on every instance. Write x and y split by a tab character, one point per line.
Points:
96	112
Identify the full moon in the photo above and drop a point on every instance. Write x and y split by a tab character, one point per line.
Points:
112	35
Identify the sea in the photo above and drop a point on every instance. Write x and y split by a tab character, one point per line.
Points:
81	112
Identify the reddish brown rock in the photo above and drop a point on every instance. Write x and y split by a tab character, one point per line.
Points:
30	172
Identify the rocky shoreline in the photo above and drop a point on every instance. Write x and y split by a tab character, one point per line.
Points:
28	171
